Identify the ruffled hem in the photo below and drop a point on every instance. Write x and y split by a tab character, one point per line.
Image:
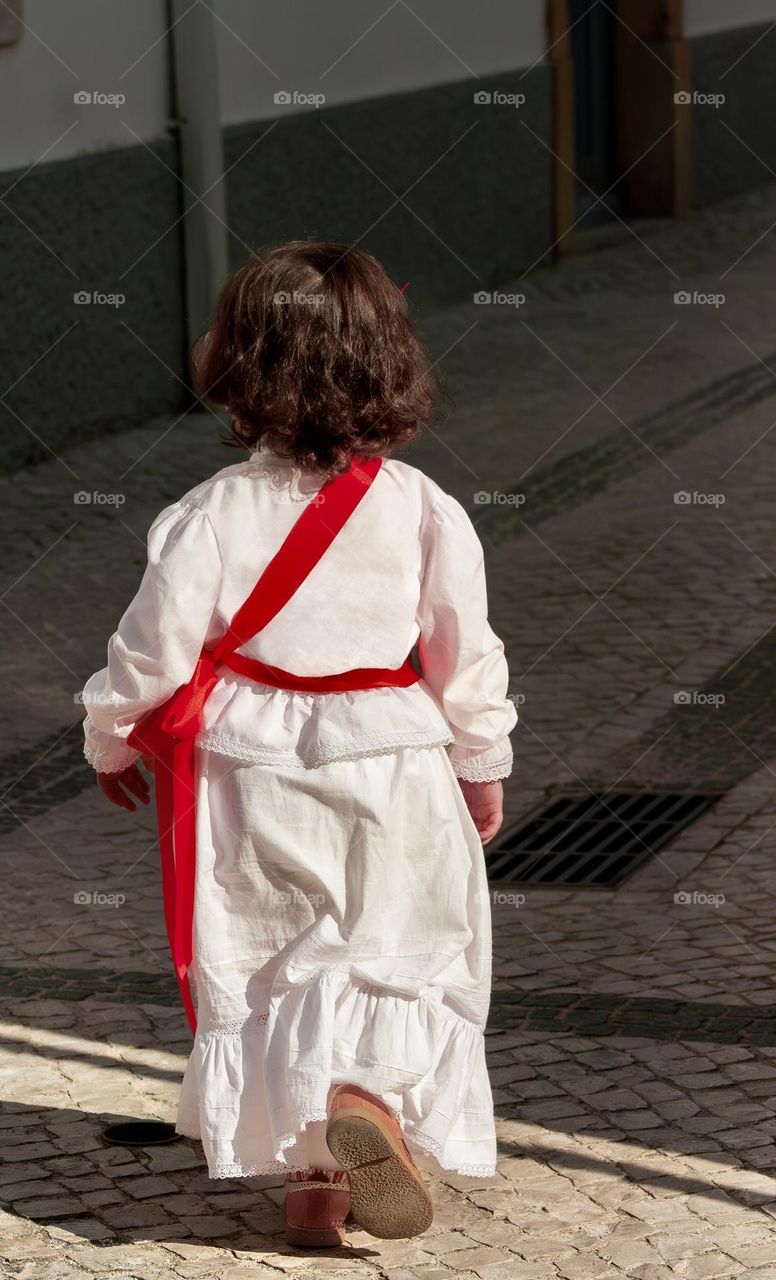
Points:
322	753
259	724
268	1168
253	1085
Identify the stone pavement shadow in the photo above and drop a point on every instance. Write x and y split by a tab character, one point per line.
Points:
58	1171
637	1170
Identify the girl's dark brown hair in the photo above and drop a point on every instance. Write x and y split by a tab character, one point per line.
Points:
312	350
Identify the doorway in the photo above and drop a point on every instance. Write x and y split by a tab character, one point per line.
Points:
620	129
594	58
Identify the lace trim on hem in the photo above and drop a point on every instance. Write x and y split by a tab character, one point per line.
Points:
310	1115
114	761
346	749
235	1027
431	1147
420	1142
473	771
225	1169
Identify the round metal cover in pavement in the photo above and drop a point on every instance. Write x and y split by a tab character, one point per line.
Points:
140	1133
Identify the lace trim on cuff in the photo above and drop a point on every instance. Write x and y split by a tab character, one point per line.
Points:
476	771
110	760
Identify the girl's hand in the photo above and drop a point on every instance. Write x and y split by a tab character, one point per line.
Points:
116	785
485	802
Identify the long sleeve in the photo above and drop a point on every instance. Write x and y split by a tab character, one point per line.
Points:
157	643
461	658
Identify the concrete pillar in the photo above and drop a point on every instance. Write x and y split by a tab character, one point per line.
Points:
198	115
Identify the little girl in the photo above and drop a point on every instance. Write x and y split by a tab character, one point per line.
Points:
329	766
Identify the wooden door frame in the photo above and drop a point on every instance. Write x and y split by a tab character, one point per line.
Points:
652	53
11	21
563	145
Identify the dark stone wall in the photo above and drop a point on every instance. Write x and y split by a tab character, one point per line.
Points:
479	212
479	216
725	165
80	225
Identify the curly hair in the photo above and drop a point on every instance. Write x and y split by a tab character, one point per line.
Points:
312	350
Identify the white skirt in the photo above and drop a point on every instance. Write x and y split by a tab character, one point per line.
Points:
341	933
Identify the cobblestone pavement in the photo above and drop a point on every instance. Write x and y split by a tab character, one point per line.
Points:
632	1039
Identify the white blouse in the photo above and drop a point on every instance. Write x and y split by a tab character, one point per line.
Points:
406	570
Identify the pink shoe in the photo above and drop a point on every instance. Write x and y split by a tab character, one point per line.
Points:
387	1192
317	1204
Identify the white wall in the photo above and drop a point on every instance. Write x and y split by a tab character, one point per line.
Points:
313	46
704	16
91	45
299	40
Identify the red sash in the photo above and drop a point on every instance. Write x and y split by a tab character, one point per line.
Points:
168	732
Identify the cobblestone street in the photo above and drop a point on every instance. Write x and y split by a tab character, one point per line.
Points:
632	1037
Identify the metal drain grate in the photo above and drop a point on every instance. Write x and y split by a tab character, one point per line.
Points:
589	839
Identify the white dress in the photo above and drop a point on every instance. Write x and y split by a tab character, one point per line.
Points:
342	923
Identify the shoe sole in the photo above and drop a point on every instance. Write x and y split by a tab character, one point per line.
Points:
388	1197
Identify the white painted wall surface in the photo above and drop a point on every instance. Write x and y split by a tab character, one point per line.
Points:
701	17
344	49
354	49
82	45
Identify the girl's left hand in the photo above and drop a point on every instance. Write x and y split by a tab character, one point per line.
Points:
485	802
116	785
